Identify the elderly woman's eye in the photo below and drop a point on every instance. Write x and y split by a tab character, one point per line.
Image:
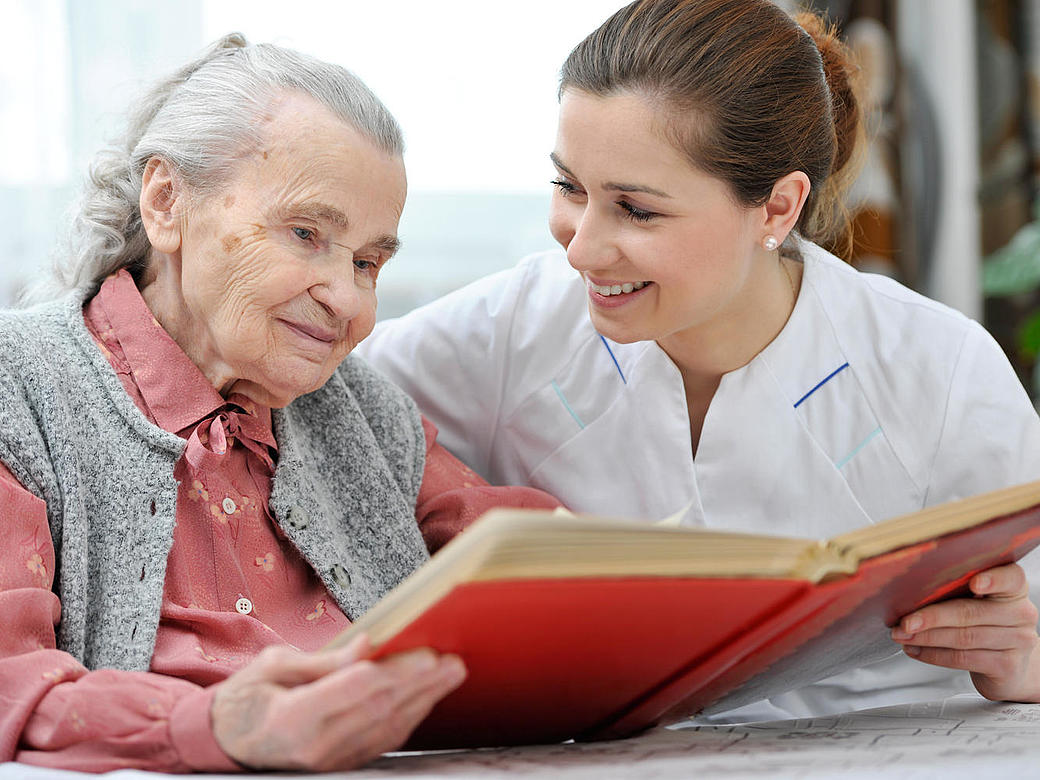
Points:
303	233
364	265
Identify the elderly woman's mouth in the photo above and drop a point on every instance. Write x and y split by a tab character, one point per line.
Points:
311	332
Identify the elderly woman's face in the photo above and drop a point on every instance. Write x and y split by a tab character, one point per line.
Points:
278	270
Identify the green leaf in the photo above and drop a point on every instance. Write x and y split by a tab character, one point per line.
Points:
1015	268
1029	335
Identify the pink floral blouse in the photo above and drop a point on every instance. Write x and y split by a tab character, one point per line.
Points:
234	583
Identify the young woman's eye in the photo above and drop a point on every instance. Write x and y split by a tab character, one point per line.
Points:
303	234
564	186
639	215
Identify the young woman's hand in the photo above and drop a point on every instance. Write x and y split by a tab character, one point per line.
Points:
327	711
993	635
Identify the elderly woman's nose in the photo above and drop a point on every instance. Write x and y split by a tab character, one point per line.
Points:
340	296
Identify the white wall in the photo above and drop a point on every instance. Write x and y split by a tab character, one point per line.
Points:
473	83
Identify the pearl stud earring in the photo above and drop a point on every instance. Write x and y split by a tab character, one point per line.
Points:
770	243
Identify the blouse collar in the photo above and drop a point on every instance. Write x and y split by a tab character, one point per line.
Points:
174	391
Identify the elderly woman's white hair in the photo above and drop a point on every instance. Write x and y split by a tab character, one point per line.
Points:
200	119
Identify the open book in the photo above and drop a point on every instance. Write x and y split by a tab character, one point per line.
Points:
586	628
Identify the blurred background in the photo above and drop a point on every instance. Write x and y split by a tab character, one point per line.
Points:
947	202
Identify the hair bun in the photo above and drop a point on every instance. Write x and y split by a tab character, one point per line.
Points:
842	76
840	72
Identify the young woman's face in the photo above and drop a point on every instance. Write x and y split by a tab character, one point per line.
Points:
665	250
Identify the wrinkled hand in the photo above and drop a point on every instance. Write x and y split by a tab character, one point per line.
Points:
328	710
993	635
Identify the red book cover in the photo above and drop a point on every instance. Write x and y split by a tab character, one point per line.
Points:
555	658
856	626
548	658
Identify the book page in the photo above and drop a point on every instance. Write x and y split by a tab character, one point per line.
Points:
937	520
856	641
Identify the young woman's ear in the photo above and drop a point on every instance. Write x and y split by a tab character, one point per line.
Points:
161	190
785	205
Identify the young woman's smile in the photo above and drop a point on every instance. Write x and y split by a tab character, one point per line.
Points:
612	294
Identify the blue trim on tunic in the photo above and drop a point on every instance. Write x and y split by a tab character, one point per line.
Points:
567	406
611	353
824	381
861	445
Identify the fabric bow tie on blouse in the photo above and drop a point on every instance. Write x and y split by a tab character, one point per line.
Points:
214	436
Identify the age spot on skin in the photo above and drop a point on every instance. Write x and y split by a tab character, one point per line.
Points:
229	201
230	242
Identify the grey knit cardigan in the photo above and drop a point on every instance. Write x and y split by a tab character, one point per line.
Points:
350	462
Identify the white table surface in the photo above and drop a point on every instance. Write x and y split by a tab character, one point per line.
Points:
961	737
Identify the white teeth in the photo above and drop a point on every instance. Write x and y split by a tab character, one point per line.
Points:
617	289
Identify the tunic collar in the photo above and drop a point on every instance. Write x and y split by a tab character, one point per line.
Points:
779	434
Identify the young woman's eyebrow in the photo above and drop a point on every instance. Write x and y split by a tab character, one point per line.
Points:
611	185
559	164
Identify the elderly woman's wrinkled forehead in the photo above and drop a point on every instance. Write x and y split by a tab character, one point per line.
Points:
301	148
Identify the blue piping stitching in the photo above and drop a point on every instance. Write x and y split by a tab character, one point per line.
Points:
611	353
862	444
827	379
566	405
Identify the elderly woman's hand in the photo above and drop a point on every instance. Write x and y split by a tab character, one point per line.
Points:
993	635
328	710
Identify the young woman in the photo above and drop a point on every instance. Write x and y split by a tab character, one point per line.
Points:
709	359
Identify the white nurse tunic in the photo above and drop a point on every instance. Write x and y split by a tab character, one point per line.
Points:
873	401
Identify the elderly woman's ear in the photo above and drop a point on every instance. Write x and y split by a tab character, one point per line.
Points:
162	205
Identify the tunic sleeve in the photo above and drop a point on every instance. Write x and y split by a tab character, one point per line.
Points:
57	713
991	433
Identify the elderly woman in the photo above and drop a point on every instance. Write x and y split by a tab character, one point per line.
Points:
191	470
